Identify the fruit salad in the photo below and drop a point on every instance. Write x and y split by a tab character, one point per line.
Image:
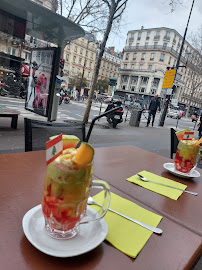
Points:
67	185
186	155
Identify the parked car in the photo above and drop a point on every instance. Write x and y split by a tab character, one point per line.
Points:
174	114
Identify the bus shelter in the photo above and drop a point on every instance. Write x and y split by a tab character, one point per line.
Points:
24	20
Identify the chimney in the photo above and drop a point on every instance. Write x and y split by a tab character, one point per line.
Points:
112	49
142	27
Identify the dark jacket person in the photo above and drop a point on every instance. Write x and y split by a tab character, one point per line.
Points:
153	106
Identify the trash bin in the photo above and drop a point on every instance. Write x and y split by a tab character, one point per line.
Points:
135	118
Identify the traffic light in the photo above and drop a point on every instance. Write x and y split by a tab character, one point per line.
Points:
62	62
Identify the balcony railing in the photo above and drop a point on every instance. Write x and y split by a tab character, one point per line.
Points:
156	48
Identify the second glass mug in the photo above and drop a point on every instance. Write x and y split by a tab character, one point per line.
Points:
187	156
65	198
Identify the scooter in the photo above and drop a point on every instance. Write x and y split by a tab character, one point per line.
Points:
64	97
116	117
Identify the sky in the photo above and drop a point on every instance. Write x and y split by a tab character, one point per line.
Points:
157	13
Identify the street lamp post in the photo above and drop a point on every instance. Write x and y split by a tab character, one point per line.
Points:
162	119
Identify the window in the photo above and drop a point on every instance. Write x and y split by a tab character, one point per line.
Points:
86	53
103	64
132	66
165	45
130	45
92	55
152	56
72	69
27	56
162	57
82	41
143	56
67	57
149	67
127	56
81	51
146	45
68	46
88	74
167	34
90	65
139	35
137	45
141	66
132	35
158	33
14	51
125	65
134	56
74	59
9	50
169	61
75	48
78	71
148	35
80	59
155	45
108	65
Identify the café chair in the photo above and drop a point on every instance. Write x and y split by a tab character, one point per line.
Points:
173	142
37	132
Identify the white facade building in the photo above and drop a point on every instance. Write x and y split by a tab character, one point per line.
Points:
147	54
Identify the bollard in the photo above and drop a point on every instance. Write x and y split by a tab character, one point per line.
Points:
126	115
100	110
177	122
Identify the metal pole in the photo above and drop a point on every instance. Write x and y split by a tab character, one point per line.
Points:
161	122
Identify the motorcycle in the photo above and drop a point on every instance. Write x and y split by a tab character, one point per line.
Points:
116	117
64	97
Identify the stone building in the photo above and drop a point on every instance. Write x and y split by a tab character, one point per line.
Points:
147	54
80	56
110	65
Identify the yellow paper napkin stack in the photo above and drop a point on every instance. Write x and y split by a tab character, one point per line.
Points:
123	234
165	191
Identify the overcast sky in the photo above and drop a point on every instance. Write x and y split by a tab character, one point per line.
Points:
156	13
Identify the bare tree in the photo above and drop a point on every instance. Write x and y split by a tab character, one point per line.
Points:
116	9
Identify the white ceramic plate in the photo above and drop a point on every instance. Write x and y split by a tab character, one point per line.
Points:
91	235
171	168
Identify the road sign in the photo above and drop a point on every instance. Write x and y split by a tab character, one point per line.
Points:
169	78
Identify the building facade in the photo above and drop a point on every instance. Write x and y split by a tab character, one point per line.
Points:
147	54
110	64
80	56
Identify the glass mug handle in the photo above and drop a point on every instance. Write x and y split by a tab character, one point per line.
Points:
100	184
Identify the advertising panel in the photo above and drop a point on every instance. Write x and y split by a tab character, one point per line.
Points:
40	80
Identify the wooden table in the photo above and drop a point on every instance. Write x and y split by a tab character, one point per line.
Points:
22	179
116	164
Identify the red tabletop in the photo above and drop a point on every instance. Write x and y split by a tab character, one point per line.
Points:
22	180
116	164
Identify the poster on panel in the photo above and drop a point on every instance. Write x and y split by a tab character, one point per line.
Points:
40	80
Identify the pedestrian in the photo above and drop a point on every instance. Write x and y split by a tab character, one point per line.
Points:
153	106
200	127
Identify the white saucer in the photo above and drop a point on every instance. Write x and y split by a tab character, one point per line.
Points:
91	235
171	168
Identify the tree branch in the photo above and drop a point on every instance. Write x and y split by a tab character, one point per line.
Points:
107	2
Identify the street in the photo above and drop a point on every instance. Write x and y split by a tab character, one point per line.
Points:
156	139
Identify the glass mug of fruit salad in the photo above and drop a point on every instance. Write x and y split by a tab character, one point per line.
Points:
67	185
186	156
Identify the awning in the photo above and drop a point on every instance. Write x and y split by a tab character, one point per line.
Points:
24	70
43	23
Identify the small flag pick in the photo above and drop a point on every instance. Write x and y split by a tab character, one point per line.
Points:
53	149
188	136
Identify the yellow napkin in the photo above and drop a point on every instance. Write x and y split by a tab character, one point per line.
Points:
123	234
165	191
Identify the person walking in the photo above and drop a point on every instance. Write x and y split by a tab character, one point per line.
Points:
153	106
200	127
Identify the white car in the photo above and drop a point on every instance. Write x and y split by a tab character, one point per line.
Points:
174	114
